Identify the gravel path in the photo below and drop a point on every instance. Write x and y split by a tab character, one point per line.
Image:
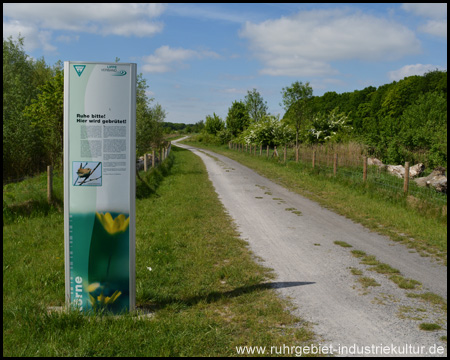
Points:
295	237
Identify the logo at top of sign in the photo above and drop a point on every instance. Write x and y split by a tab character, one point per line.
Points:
120	73
79	69
114	71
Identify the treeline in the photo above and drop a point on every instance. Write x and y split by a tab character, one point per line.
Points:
33	112
400	121
170	128
397	122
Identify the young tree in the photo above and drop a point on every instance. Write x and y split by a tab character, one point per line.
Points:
149	131
256	106
295	100
238	118
214	124
46	114
158	115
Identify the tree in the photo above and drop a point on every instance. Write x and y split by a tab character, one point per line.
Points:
21	79
46	114
238	118
256	106
149	130
424	127
198	126
214	124
295	100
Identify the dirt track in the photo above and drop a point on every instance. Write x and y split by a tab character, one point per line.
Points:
295	237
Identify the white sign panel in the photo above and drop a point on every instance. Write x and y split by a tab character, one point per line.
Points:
99	185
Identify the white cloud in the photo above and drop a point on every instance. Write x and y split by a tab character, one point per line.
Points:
428	10
409	70
85	17
34	38
434	27
233	91
435	15
208	11
167	59
307	43
35	20
68	39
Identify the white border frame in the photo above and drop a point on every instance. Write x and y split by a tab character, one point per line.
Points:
132	162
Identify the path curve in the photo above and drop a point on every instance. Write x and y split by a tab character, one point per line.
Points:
295	237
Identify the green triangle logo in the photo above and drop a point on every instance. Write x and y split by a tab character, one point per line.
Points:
79	69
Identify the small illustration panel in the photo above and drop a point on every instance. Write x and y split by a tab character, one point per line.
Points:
85	173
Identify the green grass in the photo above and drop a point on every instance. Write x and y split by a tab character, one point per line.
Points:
369	260
384	269
342	244
205	293
404	283
358	253
430	327
413	223
431	298
366	282
355	271
29	198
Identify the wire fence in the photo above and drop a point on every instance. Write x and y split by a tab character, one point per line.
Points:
345	163
153	158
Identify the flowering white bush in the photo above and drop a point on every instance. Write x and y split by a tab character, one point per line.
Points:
328	127
269	131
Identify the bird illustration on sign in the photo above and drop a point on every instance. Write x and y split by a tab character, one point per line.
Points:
85	174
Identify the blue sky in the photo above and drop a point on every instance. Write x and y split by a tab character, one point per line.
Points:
199	58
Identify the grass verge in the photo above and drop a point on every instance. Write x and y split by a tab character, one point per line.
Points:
205	293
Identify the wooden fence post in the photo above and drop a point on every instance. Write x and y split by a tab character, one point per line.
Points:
260	150
296	153
314	159
153	158
406	182
365	169
49	183
285	153
335	163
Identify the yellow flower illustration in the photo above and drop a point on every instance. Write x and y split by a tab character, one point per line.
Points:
105	300
101	299
92	287
118	225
